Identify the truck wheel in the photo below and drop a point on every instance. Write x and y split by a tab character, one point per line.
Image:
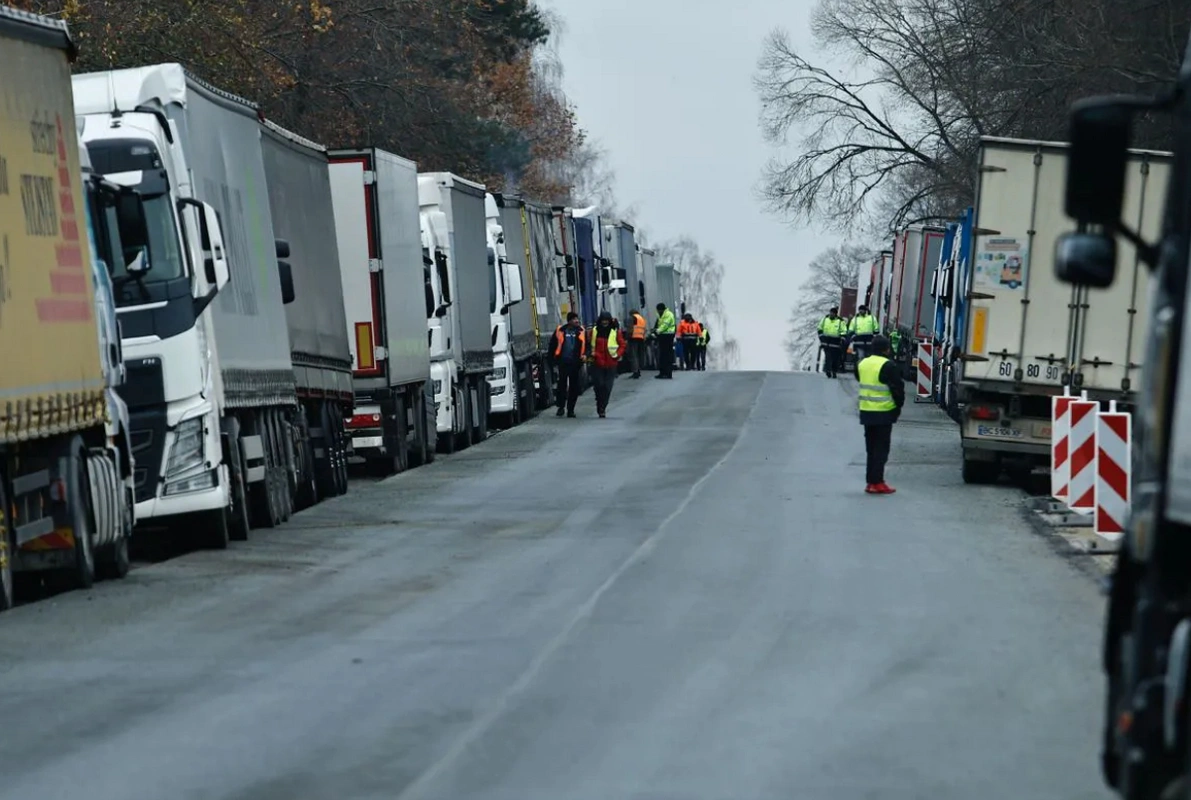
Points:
211	530
325	471
238	520
340	451
7	552
463	417
485	402
263	495
82	518
980	472
114	561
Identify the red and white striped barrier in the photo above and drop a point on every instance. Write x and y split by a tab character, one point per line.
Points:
926	365
1114	431
1060	430
1081	493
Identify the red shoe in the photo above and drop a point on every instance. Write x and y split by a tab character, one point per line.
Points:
872	488
884	488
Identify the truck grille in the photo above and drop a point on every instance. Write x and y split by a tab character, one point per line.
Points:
144	386
148	448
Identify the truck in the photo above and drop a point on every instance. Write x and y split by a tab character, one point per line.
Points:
299	188
571	276
669	280
951	312
210	388
66	504
1027	335
847	302
1146	656
624	287
588	246
456	226
911	312
510	385
384	307
529	243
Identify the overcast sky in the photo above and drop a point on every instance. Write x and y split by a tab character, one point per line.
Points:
665	86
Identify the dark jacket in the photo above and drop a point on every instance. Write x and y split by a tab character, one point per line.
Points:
891	376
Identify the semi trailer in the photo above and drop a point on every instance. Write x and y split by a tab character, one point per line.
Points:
509	385
66	503
384	306
456	227
1027	335
300	203
210	388
911	310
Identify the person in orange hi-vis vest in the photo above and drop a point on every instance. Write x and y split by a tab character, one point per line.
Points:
638	330
688	332
569	351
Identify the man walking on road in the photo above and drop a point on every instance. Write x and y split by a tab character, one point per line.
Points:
665	328
606	352
569	352
638	328
881	397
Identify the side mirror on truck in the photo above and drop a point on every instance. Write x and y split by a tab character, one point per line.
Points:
513	290
566	278
214	252
285	273
1100	130
281	247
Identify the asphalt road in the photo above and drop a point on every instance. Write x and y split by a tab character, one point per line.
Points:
692	599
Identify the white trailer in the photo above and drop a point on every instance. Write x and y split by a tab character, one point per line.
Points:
1027	334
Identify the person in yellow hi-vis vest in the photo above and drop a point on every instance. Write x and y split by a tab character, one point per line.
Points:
665	328
862	328
880	398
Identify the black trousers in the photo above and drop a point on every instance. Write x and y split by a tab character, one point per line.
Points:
636	355
602	379
690	347
665	355
569	376
877	439
701	358
833	352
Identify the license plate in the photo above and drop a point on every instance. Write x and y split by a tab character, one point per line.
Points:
1042	431
364	442
997	431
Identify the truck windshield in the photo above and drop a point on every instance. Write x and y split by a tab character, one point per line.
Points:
162	250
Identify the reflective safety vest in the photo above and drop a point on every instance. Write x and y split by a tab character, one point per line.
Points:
666	322
704	336
602	357
864	324
833	327
639	326
874	395
560	336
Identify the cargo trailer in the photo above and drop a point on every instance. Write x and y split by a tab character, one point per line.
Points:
1026	333
384	300
300	202
66	466
461	236
516	218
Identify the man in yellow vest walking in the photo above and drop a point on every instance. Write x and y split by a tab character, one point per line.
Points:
881	397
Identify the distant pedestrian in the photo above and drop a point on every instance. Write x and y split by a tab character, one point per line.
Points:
569	353
862	329
704	339
831	337
665	328
688	332
638	329
606	352
881	397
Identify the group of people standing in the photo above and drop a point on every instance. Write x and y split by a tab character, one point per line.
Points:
603	348
835	333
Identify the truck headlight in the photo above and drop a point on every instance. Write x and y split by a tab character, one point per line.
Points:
500	373
437	388
187	452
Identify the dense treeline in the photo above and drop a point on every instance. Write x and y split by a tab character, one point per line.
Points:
894	138
452	84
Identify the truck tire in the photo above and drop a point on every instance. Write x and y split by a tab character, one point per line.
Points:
980	472
211	530
340	449
395	462
263	496
463	417
484	402
115	560
239	522
82	517
110	504
7	552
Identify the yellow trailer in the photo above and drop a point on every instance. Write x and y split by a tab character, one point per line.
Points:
59	465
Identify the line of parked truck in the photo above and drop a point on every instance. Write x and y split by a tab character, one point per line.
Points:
215	315
1005	333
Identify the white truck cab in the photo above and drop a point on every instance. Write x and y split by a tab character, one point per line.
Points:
444	365
505	291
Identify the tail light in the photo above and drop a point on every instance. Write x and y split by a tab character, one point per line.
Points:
984	412
364	421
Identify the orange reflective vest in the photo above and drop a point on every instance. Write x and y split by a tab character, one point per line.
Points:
559	336
639	326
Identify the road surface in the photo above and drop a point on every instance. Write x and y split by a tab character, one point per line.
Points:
692	599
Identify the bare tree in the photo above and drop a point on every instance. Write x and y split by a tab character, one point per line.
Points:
831	272
702	277
897	135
